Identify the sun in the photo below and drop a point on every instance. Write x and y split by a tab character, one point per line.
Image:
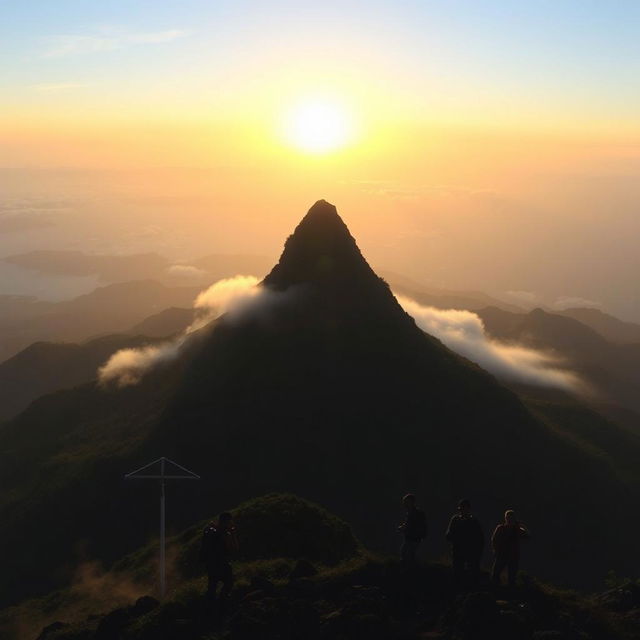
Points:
318	125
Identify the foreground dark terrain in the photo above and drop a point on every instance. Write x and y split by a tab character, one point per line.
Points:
301	574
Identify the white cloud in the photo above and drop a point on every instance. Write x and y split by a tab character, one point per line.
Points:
232	296
105	39
571	302
128	366
186	271
241	298
526	297
463	332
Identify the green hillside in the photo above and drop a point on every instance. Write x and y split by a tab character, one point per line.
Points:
301	573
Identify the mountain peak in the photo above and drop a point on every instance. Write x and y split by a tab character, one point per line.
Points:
320	250
322	207
323	259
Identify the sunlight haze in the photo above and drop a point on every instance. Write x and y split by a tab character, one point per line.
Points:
491	146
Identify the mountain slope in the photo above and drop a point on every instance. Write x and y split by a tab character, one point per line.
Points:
165	323
612	369
44	367
606	325
110	309
323	386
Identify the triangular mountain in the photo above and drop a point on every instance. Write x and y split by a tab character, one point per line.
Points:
322	386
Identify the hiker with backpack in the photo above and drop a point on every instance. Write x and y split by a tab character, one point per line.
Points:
219	542
506	548
414	529
467	544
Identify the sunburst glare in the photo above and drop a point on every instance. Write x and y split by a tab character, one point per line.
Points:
319	125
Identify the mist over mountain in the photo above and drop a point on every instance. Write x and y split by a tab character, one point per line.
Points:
612	369
44	367
109	309
324	385
138	266
77	263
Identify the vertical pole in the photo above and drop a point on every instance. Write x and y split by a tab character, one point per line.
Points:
163	584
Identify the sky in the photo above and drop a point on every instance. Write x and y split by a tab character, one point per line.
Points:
489	145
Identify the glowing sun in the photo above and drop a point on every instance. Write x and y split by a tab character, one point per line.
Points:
318	125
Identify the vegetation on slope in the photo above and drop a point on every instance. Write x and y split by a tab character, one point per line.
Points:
320	583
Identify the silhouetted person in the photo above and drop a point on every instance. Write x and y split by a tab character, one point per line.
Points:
506	547
467	543
414	529
218	543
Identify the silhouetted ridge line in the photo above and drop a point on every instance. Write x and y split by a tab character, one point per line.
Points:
322	261
320	250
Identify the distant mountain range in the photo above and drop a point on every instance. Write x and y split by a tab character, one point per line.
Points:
110	309
612	369
109	268
142	266
326	387
45	367
606	325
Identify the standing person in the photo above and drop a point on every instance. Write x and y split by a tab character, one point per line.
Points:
506	547
467	543
219	541
414	529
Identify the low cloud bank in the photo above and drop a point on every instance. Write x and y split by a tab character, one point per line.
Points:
569	302
231	296
242	297
186	271
463	332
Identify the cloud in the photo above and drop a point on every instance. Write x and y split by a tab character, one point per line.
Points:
106	39
25	214
241	298
570	302
59	86
401	191
232	296
186	272
463	332
128	366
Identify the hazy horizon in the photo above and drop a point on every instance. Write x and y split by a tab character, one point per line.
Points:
490	147
442	237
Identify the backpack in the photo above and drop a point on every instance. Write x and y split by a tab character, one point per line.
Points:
210	544
422	528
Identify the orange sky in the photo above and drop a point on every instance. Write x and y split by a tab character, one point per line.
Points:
485	148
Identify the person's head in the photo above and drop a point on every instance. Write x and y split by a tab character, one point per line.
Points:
464	507
510	516
225	520
409	501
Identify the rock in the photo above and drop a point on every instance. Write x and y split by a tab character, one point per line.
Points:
260	583
258	619
512	625
352	622
623	598
144	605
303	587
476	616
111	625
303	569
52	628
